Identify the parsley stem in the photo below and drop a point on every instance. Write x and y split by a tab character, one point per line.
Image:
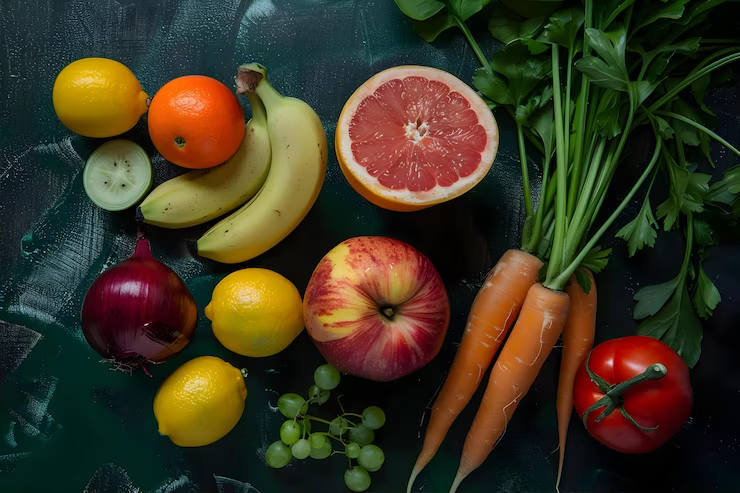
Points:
567	125
546	242
580	130
559	282
471	40
556	258
690	79
542	208
689	246
613	163
525	170
701	128
584	199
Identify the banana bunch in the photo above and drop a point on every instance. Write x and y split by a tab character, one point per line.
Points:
199	196
299	154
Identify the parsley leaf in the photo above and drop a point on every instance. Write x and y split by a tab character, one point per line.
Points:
652	11
703	233
420	10
609	71
664	129
508	29
516	80
651	299
431	28
640	232
676	324
610	120
432	17
726	190
671	207
563	28
706	297
466	8
596	259
583	279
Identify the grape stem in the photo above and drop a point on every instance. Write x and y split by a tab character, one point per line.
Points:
320	420
339	401
352	414
328	434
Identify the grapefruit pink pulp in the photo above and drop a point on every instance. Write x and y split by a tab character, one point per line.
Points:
411	137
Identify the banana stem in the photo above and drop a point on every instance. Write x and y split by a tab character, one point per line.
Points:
252	78
259	113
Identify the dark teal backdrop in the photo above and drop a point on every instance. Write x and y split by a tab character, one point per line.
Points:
67	424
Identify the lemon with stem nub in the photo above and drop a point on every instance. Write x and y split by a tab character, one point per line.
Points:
98	97
255	312
200	402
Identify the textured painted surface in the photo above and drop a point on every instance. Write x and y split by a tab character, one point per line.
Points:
68	424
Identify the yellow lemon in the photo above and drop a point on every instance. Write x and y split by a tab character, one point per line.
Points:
200	402
98	97
255	312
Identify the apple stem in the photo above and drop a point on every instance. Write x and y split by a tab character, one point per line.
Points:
388	311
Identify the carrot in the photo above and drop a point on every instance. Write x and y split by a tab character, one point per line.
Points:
578	339
538	327
494	310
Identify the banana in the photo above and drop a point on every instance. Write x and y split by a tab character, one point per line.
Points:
198	196
297	172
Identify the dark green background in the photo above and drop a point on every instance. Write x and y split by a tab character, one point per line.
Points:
67	423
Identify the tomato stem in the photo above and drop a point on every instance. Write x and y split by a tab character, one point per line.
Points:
614	394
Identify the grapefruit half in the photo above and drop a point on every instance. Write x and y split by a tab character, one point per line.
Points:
412	136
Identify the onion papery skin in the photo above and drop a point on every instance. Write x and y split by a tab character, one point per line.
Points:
138	312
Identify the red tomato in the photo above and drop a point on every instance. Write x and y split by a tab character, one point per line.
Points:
656	400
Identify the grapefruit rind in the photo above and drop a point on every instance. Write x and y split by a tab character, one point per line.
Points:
404	200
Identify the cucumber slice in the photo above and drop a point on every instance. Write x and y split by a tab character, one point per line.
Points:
117	175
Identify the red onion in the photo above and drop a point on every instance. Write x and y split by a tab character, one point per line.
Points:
138	312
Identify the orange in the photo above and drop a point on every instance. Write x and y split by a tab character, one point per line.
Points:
196	122
411	137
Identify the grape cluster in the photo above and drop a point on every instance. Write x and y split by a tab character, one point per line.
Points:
352	433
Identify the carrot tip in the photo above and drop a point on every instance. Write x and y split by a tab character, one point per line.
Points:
456	483
414	474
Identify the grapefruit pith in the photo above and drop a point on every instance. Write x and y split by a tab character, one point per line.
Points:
412	136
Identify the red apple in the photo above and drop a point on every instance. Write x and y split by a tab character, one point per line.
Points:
376	308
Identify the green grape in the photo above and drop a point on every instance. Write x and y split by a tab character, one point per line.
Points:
323	452
374	469
357	479
317	441
373	417
371	457
326	377
292	405
352	450
301	449
336	426
290	432
362	435
318	394
278	455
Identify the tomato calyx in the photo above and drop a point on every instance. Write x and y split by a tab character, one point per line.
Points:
614	394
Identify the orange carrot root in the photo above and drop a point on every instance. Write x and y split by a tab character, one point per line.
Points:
538	327
578	339
494	310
